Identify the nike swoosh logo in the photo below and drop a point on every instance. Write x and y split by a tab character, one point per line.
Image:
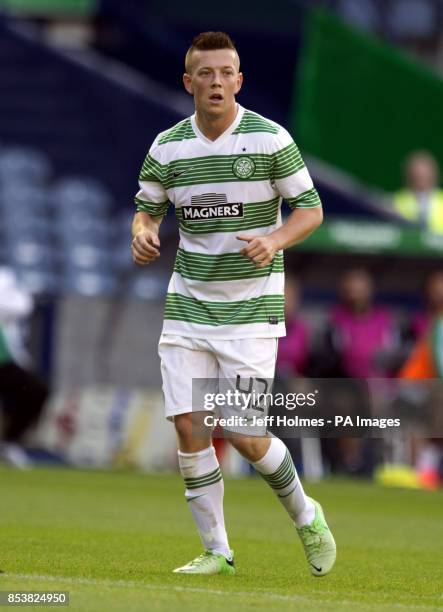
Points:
318	569
188	499
179	173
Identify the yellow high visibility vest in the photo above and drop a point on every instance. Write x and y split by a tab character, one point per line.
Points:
406	205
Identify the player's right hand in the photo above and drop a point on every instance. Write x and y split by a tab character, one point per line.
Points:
145	247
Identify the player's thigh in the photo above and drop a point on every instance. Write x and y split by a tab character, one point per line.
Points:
246	366
247	358
184	363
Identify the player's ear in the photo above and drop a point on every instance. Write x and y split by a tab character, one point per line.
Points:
239	82
187	83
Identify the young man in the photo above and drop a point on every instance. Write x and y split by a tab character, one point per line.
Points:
226	169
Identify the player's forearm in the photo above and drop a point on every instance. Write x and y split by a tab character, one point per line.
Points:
144	221
298	226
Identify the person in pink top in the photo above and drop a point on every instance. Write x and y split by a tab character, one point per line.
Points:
293	349
363	334
360	344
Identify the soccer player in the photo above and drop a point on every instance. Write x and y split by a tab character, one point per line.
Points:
226	170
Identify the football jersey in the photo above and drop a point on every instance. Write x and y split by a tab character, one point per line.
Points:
220	189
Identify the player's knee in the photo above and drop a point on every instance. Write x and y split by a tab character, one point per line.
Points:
189	439
183	425
252	449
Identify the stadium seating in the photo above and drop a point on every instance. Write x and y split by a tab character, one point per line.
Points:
58	237
412	19
91	283
363	14
18	164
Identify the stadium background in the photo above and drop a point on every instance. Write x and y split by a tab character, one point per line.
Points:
85	87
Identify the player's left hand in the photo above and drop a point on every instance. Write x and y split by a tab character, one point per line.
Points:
260	250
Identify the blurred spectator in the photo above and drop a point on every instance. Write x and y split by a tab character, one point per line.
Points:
433	293
293	349
426	362
421	201
363	335
359	344
22	395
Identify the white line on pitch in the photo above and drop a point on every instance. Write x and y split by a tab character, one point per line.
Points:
131	584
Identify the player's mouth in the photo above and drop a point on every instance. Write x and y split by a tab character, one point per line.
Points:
216	98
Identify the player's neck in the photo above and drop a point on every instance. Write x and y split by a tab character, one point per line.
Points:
212	126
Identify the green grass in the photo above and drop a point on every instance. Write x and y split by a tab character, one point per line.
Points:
112	539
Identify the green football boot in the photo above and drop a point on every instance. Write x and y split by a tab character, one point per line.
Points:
209	562
318	542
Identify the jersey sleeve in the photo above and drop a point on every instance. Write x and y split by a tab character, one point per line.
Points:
290	175
152	197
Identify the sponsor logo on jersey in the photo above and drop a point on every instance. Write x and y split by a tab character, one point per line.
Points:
243	167
211	206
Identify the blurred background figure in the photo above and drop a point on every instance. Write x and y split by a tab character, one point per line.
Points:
421	200
293	349
433	297
360	340
363	335
22	394
425	362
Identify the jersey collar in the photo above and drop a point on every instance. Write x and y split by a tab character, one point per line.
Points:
224	136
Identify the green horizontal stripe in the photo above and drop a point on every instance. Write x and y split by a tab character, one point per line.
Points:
214	169
284	482
151	207
281	469
287	152
256	128
203	481
223	308
275	476
151	170
195	482
181	131
146	176
219	168
307	199
224	267
287	161
206	484
196	479
255	310
287	171
251	122
283	476
316	205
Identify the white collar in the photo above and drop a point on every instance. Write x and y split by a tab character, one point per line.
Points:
222	138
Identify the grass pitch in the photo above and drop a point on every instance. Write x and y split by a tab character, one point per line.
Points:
111	539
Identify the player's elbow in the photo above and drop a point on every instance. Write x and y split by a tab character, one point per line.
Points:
316	217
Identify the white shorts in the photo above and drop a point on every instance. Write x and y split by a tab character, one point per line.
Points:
185	359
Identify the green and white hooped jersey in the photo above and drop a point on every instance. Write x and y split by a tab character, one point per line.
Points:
220	189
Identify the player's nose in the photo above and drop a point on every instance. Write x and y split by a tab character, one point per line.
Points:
216	79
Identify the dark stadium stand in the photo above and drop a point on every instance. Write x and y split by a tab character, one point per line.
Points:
84	123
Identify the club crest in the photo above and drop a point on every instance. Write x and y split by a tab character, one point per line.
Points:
243	167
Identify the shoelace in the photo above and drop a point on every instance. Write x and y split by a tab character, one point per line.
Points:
203	558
